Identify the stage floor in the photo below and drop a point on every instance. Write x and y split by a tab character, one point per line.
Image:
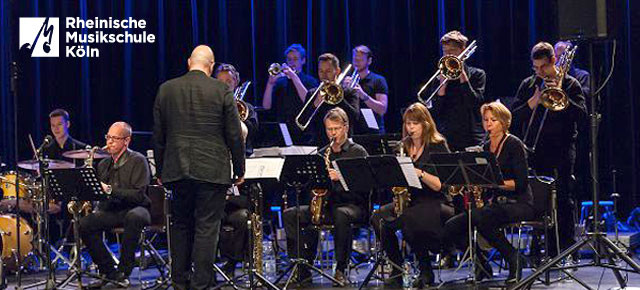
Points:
597	278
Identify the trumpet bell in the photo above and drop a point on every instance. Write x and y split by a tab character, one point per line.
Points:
275	69
554	99
450	67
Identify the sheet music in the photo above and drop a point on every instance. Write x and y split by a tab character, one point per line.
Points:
409	171
283	151
342	181
263	168
285	134
370	118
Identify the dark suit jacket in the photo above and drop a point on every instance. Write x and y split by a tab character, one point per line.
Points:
196	126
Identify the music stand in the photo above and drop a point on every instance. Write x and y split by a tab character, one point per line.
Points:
466	169
303	172
377	144
78	185
372	172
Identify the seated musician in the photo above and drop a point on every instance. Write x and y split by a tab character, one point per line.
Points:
124	177
421	223
512	202
343	208
234	239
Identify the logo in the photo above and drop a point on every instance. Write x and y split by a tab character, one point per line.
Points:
39	36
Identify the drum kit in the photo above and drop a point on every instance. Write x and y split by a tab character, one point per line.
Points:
30	193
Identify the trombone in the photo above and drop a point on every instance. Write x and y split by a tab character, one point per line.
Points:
552	98
331	92
238	95
450	67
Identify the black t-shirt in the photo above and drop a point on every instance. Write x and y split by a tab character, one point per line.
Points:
287	104
54	151
513	165
372	84
457	113
557	142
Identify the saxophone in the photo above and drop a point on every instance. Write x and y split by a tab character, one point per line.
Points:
256	227
474	192
319	194
84	208
401	195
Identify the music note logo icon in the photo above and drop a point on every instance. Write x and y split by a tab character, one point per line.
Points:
39	36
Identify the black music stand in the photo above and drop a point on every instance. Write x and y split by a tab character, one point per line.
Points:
368	173
78	185
466	169
303	172
377	144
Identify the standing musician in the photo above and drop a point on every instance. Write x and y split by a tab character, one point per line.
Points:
512	202
372	90
197	136
124	177
285	96
343	208
457	103
234	239
421	223
328	71
556	147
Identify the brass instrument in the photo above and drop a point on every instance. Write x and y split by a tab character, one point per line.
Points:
276	69
401	195
331	92
552	98
450	67
319	194
475	192
238	95
256	228
84	208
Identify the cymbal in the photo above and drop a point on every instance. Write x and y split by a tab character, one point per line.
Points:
84	154
53	164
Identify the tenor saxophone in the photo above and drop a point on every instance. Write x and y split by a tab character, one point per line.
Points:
319	194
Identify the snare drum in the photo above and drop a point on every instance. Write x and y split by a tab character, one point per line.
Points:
10	241
8	185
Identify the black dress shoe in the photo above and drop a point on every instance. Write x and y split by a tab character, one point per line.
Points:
117	278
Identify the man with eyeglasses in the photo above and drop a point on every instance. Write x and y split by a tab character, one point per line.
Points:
124	177
343	208
556	147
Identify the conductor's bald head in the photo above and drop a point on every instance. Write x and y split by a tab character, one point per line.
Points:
202	59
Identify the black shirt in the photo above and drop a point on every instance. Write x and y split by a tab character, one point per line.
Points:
54	151
457	113
338	195
129	178
423	163
287	104
584	78
557	142
252	127
372	84
350	104
513	165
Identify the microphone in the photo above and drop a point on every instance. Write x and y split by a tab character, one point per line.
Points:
45	143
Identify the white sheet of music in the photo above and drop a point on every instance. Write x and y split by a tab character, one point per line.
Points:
284	151
285	134
409	171
370	118
263	168
342	181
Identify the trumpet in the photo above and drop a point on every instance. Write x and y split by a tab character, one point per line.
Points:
450	67
238	95
276	69
332	93
552	98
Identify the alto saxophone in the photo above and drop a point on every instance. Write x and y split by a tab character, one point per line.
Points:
256	228
319	194
401	195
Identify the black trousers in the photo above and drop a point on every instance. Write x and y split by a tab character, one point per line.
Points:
489	221
341	217
92	226
234	239
423	236
197	208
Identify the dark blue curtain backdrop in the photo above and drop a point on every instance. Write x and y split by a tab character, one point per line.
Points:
121	84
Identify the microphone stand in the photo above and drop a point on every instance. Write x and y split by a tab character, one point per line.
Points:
14	91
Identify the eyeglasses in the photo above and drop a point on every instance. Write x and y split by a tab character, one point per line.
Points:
117	138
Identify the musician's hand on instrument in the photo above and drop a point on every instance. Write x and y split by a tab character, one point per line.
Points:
362	95
551	82
288	71
419	172
463	77
443	85
535	99
346	82
239	181
54	208
106	188
273	79
334	175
